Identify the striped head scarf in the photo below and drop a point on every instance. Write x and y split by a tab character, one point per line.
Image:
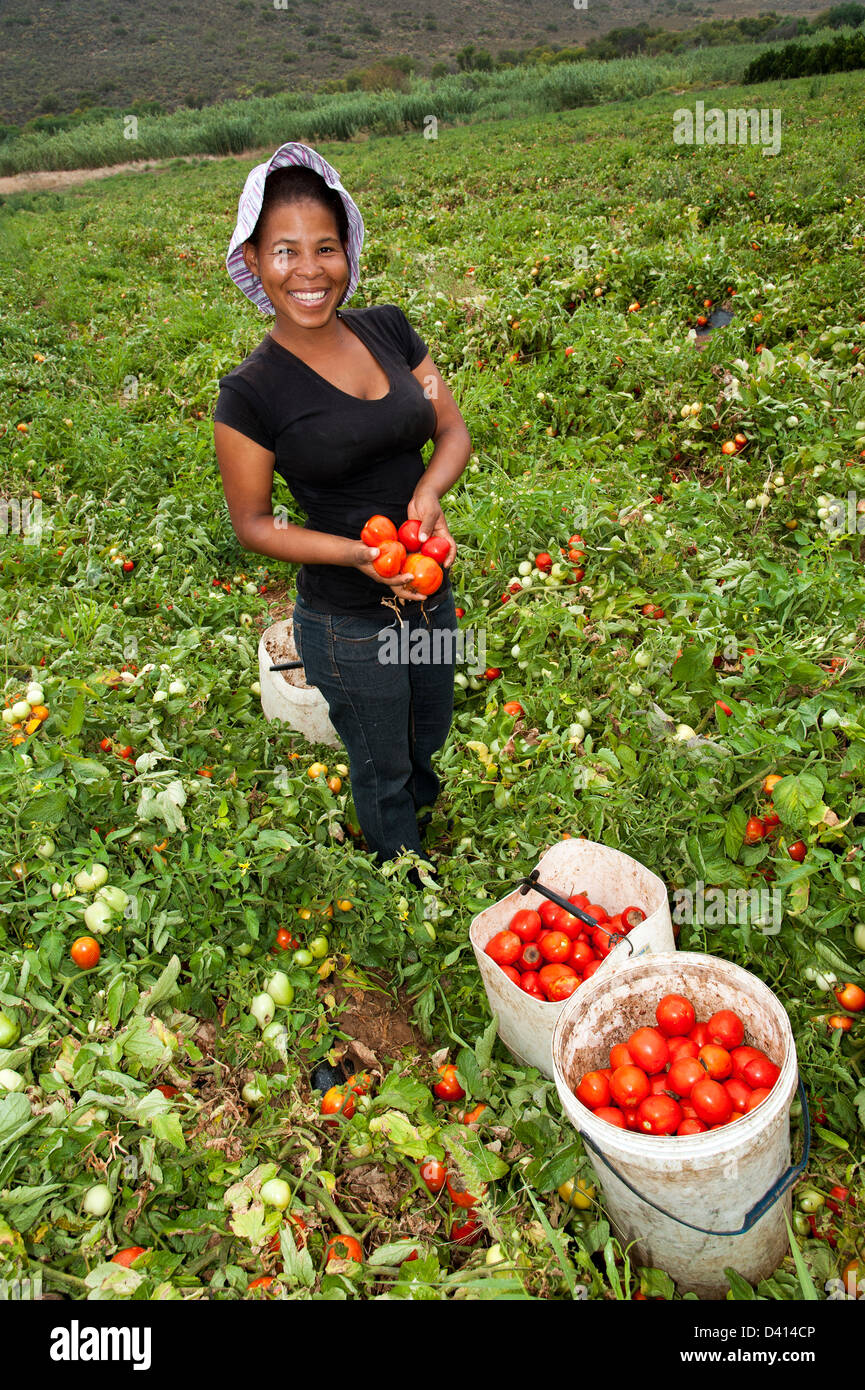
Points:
249	207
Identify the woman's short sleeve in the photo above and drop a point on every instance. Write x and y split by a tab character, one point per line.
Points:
235	408
413	345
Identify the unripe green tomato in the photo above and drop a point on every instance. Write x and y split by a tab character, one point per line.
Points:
262	1009
461	680
319	947
252	1094
116	899
98	1200
276	1193
641	658
97	917
11	1080
276	1033
9	1030
280	988
255	688
810	1200
302	957
88	880
244	948
45	848
859	936
801	1224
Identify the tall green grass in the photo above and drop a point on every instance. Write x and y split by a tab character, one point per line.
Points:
235	126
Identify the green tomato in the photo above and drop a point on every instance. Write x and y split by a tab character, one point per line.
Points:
810	1200
859	936
11	1080
98	1200
9	1030
276	1193
98	917
253	1094
116	899
302	957
262	1009
280	988
45	848
319	947
801	1224
243	949
88	880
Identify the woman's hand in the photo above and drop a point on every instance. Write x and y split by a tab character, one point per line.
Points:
425	507
399	584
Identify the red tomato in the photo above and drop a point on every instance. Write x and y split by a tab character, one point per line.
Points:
620	1056
377	530
726	1029
594	910
530	957
544	561
659	1115
692	1126
658	1085
337	1101
85	952
433	1174
684	1075
426	574
675	1015
841	1195
344	1248
612	1115
550	973
390	559
649	1050
285	941
682	1047
512	974
601	942
581	955
555	918
739	1092
632	917
699	1034
851	998
554	946
593	1090
437	548
125	1257
740	1057
167	1091
797	851
590	969
563	988
530	982
757	1097
629	1085
460	1195
711	1102
466	1232
448	1088
513	707
504	947
760	1073
754	830
409	537
717	1061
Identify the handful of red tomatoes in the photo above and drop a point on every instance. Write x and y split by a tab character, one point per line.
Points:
401	552
682	1077
550	952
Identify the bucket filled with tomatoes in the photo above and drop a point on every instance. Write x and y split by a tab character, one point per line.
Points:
679	1073
593	909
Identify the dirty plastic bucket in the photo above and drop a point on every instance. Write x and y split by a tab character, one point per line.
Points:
694	1204
305	710
608	876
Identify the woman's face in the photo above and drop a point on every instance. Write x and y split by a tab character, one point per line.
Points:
303	267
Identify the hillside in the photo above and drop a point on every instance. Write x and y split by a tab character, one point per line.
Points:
58	54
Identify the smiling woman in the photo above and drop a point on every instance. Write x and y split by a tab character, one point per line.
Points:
340	403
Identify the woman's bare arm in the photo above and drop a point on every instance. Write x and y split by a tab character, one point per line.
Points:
450	455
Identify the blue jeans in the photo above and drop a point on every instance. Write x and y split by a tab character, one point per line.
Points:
392	715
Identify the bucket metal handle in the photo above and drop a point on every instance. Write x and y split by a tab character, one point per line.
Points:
527	884
757	1210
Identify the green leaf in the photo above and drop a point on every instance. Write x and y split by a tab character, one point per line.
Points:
15	1118
72	727
167	1127
275	839
469	1072
394	1253
88	770
834	1139
486	1043
694	663
48	809
654	1283
297	1266
734	831
251	1224
556	1170
401	1093
739	1288
163	989
475	1162
793	797
806	1283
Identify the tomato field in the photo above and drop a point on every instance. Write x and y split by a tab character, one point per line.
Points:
656	349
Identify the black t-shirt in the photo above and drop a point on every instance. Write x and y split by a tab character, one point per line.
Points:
344	459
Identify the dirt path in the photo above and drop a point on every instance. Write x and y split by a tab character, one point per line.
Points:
43	180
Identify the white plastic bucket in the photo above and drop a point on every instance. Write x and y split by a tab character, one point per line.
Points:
302	707
609	877
686	1199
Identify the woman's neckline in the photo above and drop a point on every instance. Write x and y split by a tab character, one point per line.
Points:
363	400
